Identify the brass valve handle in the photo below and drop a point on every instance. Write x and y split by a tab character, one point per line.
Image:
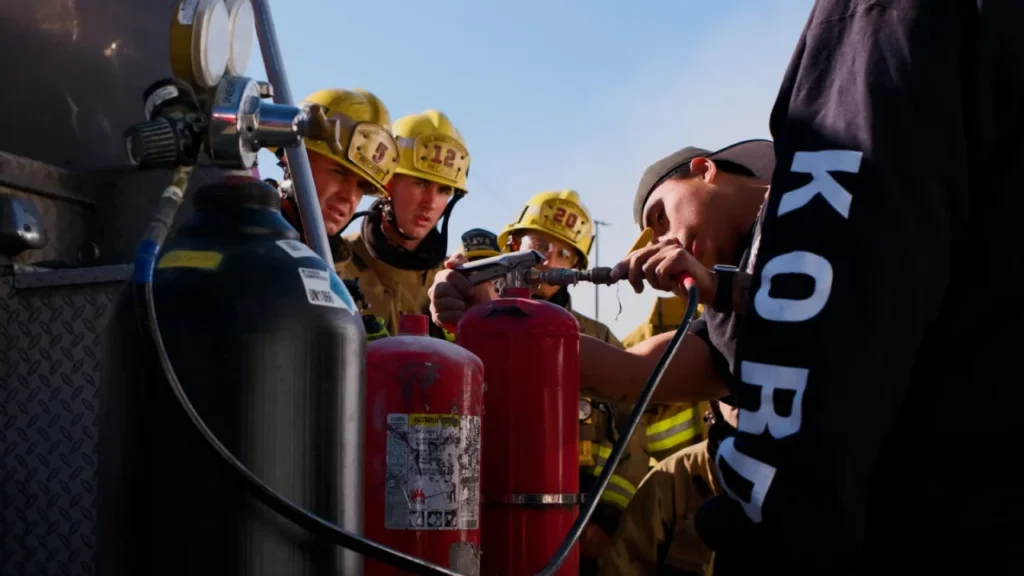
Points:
321	128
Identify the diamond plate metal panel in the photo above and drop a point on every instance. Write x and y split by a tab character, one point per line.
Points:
49	375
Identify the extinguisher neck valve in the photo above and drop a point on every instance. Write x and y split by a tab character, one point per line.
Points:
414	325
516	292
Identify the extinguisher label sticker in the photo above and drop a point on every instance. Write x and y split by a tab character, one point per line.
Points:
433	480
318	288
297	249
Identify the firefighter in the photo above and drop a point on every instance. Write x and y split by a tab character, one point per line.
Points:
557	225
399	249
657	533
341	180
343	177
672	427
478	244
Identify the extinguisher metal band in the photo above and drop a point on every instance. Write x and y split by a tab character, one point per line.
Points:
543	499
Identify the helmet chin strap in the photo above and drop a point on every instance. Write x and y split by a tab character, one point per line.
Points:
354	217
389	215
429	253
388	211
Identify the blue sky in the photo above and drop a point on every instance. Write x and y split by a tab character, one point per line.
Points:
556	94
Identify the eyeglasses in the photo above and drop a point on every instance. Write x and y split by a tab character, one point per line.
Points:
556	254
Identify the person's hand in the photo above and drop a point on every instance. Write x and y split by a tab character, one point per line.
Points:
452	294
662	265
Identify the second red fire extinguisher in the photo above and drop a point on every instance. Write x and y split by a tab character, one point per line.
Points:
424	402
530	349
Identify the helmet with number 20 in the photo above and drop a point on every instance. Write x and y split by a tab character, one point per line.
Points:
560	214
431	148
367	146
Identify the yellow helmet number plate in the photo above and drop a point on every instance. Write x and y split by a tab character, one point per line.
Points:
564	217
372	148
442	156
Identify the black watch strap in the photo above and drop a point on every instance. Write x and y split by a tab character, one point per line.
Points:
726	276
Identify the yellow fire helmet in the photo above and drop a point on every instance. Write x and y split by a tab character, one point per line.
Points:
367	146
560	214
430	147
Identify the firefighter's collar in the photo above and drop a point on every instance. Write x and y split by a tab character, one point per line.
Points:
341	251
364	259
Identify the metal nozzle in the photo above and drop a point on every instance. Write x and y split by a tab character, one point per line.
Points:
569	277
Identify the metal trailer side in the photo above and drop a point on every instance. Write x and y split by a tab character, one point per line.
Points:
75	71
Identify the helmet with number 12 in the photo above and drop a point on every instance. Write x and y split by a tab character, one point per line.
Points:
560	214
430	178
431	148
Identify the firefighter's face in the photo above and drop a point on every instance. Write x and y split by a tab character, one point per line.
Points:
417	203
558	254
339	190
697	212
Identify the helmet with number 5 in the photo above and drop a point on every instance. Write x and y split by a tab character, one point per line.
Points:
367	146
560	214
431	148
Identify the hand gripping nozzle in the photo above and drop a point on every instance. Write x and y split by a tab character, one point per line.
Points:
517	269
513	267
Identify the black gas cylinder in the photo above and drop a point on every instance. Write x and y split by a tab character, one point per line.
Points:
270	349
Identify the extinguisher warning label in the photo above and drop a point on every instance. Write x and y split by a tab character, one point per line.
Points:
318	288
433	479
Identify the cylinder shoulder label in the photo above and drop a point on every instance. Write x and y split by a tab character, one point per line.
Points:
433	477
297	249
318	288
201	259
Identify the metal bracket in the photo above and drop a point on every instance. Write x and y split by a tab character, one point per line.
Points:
44	179
543	499
29	277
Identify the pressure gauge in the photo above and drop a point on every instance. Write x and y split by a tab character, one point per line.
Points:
200	41
585	409
243	29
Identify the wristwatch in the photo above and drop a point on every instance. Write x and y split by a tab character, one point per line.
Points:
726	277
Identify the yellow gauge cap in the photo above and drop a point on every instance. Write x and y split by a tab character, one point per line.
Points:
200	42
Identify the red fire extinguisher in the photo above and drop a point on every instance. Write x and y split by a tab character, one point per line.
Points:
530	350
424	402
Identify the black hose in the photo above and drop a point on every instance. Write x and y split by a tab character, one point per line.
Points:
591	500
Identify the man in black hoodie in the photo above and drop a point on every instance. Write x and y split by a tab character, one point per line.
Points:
895	202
